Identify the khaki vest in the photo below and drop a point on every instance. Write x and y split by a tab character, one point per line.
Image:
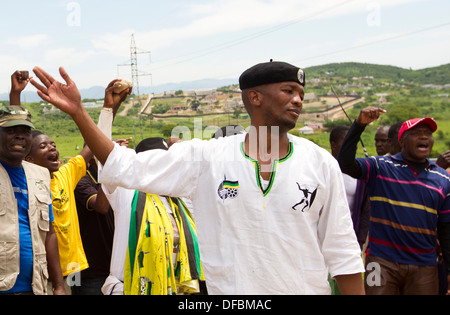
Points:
39	199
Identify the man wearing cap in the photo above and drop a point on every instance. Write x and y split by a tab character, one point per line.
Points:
268	206
409	203
28	244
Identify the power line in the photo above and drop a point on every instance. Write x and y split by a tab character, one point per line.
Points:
378	41
238	41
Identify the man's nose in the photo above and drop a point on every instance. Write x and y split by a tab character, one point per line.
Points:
20	133
297	99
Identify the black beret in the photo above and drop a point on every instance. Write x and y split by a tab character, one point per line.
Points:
271	72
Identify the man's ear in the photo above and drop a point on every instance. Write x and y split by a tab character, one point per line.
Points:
255	97
29	159
332	145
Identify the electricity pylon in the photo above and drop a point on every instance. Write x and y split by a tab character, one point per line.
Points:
135	74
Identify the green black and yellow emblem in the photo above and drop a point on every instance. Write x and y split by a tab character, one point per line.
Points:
228	189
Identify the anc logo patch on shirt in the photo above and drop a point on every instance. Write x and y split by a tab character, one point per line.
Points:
60	201
228	189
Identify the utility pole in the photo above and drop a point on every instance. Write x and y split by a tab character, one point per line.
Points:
135	74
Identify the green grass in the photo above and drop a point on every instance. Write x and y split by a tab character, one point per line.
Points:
67	146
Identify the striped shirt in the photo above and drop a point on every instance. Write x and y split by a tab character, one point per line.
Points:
406	207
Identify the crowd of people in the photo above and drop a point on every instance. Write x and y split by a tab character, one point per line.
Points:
248	212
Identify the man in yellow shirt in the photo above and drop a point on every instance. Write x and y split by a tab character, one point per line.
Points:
64	180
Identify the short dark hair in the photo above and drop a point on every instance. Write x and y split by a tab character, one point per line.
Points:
151	144
35	133
394	129
227	131
338	132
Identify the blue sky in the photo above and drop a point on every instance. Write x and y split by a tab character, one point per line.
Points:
198	39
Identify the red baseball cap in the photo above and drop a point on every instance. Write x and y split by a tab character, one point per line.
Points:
409	124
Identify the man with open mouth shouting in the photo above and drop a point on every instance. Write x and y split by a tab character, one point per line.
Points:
410	201
64	180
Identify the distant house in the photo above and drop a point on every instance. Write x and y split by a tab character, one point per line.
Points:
306	130
169	93
382	101
314	125
206	93
179	107
189	93
310	97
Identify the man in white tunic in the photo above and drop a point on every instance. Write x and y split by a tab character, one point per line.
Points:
270	208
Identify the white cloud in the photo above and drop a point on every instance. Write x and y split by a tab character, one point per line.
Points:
117	44
68	56
220	17
8	65
30	41
215	18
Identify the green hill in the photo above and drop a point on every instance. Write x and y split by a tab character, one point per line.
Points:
437	75
404	93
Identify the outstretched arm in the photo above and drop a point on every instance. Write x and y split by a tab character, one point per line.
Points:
68	99
347	153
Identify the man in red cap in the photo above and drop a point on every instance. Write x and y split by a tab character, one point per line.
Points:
409	203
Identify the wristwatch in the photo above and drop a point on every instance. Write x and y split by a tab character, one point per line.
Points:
107	109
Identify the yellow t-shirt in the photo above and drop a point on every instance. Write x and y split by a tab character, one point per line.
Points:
67	228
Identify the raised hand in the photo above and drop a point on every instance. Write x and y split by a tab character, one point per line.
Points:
19	81
444	160
66	97
113	100
369	114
